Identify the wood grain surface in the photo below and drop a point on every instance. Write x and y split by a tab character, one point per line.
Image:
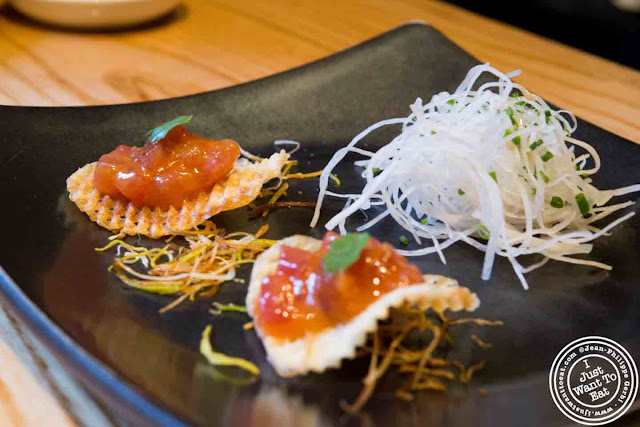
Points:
209	44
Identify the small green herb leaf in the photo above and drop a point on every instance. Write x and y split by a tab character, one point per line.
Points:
376	171
424	221
516	141
404	240
461	192
547	116
433	132
451	101
161	131
344	251
493	175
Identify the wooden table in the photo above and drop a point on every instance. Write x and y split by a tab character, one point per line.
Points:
209	44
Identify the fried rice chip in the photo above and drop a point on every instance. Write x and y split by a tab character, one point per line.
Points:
317	352
241	187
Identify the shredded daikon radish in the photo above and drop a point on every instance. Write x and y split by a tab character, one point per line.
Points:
494	167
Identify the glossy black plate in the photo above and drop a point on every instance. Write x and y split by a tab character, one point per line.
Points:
146	366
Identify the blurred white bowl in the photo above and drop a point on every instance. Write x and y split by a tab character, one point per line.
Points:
94	13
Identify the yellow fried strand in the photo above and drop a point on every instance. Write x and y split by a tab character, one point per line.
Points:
219	359
262	231
369	381
481	322
480	343
120	243
247	326
164	287
311	175
275	197
219	308
468	373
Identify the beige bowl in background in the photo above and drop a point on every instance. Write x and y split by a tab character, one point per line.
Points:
94	13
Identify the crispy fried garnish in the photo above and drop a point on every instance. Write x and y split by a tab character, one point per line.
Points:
220	359
426	372
266	208
209	259
247	326
480	343
241	187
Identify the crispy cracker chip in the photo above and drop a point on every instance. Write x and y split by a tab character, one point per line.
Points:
239	188
320	351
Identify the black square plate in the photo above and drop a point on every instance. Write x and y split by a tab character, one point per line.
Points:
146	366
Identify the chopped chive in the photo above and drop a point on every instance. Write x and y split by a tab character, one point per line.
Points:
433	132
461	192
423	221
509	111
451	101
520	103
585	175
547	156
483	232
545	178
492	174
547	116
536	144
515	95
556	202
376	171
535	190
404	240
515	140
583	204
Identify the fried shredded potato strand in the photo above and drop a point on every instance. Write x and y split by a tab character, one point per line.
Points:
425	372
276	192
210	257
219	359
